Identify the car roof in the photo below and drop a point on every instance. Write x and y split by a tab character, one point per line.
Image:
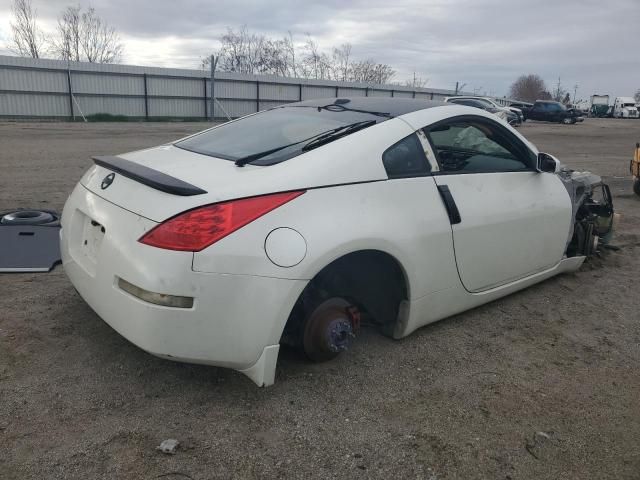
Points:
393	106
473	97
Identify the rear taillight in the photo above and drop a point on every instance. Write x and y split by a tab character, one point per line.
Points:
196	229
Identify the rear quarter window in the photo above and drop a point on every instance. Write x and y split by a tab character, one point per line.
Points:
406	158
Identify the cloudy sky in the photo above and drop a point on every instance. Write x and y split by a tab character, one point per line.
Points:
484	44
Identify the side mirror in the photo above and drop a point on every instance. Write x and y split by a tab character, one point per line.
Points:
547	163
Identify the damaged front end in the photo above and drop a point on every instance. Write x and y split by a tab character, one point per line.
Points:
593	214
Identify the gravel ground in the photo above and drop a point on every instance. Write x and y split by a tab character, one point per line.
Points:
542	384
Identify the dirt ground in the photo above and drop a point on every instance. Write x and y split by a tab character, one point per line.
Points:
543	384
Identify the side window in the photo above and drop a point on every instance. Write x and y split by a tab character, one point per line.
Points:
406	158
474	146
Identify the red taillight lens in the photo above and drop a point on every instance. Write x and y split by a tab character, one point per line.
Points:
196	229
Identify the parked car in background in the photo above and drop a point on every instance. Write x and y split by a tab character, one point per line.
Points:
550	111
480	102
625	107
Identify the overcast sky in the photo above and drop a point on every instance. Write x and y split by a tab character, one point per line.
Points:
484	44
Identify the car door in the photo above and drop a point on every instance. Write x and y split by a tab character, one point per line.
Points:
536	111
508	220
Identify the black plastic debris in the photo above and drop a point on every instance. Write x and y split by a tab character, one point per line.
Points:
29	241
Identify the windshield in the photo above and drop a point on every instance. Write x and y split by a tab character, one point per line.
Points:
486	102
274	129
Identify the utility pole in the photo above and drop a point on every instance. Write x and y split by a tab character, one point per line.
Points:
575	91
214	63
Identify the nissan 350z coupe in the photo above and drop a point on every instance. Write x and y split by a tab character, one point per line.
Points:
297	224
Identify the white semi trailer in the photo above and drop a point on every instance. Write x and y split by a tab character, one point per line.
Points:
625	107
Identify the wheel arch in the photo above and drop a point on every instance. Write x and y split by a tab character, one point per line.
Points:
375	279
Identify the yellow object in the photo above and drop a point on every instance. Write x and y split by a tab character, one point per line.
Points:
635	164
635	169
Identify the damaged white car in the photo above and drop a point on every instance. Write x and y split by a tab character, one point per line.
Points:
297	224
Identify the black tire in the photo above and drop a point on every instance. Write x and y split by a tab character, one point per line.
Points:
28	217
636	186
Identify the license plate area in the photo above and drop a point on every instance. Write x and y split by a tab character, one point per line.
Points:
86	239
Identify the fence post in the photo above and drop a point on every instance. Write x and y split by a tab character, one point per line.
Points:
71	113
392	91
257	95
146	98
337	91
300	92
204	97
414	94
366	92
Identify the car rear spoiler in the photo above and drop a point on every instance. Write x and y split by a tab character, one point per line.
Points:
148	176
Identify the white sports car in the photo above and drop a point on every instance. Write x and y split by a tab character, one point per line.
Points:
296	224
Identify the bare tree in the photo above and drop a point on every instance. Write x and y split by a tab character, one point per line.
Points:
416	82
368	71
100	42
84	36
27	39
66	45
250	53
341	62
528	88
559	92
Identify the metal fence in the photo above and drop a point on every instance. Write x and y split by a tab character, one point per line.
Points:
39	88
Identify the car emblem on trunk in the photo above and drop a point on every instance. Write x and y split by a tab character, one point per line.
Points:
108	180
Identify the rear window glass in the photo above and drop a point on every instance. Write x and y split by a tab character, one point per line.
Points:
270	130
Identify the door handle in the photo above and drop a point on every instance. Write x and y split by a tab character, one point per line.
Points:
449	204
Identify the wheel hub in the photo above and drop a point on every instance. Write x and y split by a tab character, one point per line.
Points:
330	330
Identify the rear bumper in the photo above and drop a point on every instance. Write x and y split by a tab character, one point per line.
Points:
233	317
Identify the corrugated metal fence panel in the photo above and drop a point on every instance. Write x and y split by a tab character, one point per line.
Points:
379	93
287	93
351	92
33	80
176	107
425	96
402	94
29	105
107	84
131	107
175	87
310	91
39	87
234	108
230	89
